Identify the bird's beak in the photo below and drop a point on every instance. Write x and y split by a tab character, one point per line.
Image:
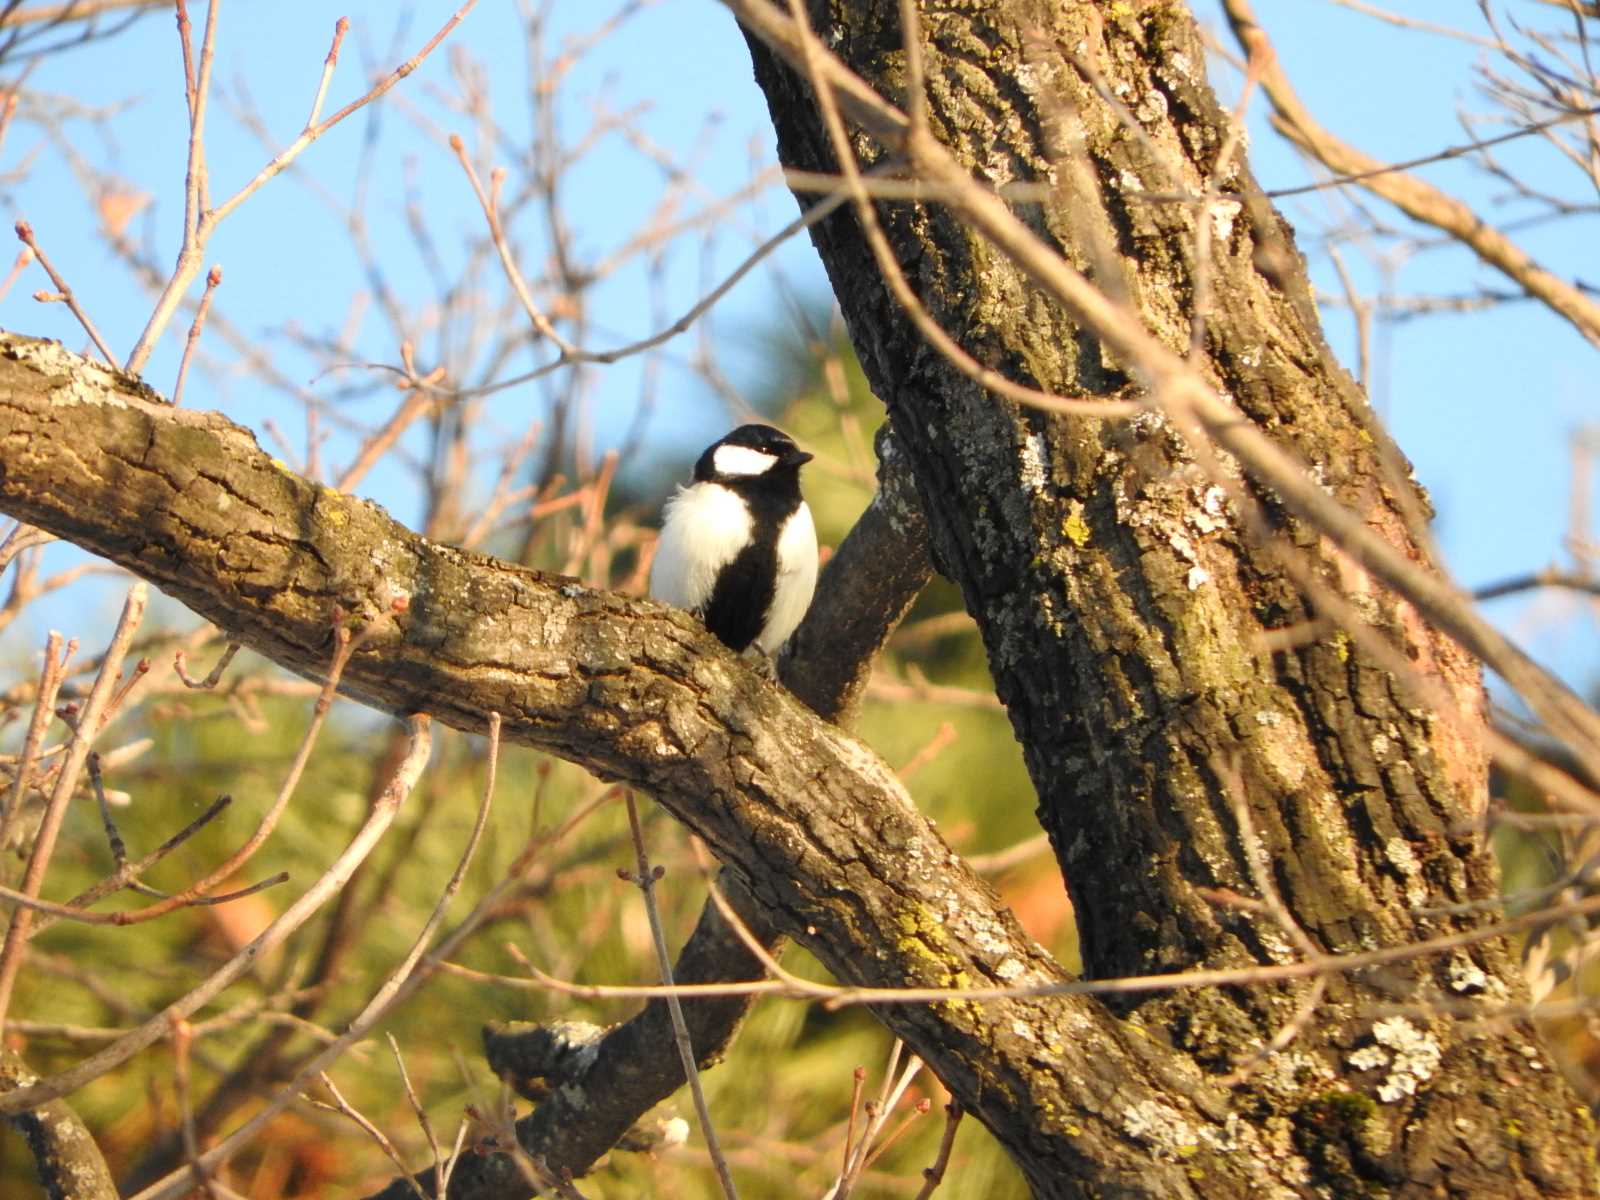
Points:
797	458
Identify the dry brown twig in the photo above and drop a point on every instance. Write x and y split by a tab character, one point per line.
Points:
213	278
933	1176
645	877
56	658
1416	198
344	1108
201	221
400	981
63	293
290	919
100	698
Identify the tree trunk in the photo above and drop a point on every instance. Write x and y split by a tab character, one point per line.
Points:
1126	610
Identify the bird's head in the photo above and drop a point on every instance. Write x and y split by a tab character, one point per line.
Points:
750	452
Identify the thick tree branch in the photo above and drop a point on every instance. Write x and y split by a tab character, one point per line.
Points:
69	1163
815	825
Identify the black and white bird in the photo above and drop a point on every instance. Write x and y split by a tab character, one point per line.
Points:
738	547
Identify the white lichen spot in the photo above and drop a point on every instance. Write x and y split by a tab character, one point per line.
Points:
1181	64
1212	514
1466	977
1222	214
1022	1030
1197	577
1034	474
1152	108
573	590
1251	357
1129	182
1009	969
1402	856
1269	718
1147	421
1380	745
1368	1058
1411	1055
1160	1127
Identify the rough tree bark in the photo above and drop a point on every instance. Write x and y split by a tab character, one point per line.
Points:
1124	611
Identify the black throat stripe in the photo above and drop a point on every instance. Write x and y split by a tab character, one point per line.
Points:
744	591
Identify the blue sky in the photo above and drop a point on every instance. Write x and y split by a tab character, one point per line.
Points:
1484	404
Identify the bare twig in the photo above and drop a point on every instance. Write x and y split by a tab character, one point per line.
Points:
70	10
213	278
182	1036
63	292
295	915
198	231
66	783
181	667
400	981
55	667
646	878
344	1107
1417	199
441	1180
1548	578
933	1176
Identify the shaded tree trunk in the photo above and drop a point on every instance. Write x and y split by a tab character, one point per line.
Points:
1127	613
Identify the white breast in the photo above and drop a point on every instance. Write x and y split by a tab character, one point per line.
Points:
705	527
797	579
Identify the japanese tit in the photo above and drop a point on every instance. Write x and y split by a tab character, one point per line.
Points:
738	547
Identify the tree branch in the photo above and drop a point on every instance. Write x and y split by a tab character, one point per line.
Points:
813	823
69	1163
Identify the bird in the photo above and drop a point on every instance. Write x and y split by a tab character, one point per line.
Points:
738	546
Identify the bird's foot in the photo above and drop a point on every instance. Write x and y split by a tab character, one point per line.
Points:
761	662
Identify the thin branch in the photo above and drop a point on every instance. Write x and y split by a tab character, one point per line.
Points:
189	257
55	669
345	1108
1419	200
933	1176
71	10
646	880
181	667
63	293
399	982
1550	577
44	845
213	278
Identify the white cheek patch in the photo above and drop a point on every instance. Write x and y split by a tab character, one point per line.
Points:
741	460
